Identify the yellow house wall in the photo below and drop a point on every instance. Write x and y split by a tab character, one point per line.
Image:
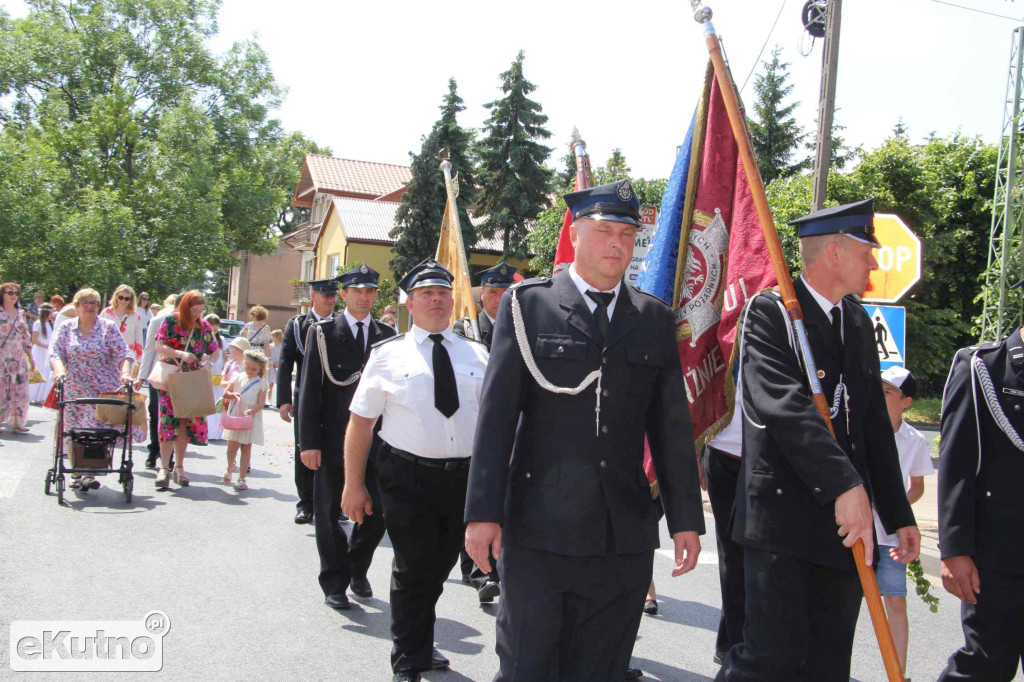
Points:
332	243
377	256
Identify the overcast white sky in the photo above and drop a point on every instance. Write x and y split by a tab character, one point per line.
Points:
366	78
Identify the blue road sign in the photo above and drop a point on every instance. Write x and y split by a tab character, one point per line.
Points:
890	332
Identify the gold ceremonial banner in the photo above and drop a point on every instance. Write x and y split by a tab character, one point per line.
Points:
451	253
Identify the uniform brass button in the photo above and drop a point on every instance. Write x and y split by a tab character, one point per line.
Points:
604	392
778	491
604	464
604	360
645	356
1017	407
604	429
853	446
988	493
561	349
528	474
817	490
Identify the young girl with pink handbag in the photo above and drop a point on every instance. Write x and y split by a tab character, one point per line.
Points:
242	418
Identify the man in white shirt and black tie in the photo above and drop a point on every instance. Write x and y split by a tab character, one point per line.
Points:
426	385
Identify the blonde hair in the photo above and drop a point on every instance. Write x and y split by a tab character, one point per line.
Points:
82	293
258	313
277	335
171	301
119	289
259	358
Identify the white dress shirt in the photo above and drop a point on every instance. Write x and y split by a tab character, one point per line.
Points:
398	383
583	287
826	306
355	330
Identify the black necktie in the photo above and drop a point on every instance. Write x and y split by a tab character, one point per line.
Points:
446	392
602	299
360	339
837	328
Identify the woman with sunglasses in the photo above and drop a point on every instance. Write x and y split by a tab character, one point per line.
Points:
16	362
121	311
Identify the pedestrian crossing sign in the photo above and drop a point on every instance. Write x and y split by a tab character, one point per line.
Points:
889	330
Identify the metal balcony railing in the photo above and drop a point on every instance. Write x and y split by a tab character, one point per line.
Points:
300	293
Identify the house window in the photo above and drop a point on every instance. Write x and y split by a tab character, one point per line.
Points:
332	266
307	273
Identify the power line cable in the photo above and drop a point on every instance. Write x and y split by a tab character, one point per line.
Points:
766	39
979	11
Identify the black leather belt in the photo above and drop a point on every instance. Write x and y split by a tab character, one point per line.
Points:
429	462
727	454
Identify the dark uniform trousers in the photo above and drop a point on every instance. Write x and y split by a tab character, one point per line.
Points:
304	476
340	557
723	470
154	423
980	510
802	591
423	507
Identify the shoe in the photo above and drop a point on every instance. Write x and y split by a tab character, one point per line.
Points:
361	587
405	676
241	485
161	479
76	483
633	674
337	601
438	661
651	607
719	657
20	429
488	591
151	463
227	476
90	483
303	516
179	476
467	579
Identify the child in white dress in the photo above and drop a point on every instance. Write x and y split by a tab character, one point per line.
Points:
277	339
245	394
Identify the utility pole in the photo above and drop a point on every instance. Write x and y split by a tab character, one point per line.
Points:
826	101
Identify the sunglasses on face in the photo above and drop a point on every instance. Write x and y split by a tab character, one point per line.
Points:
143	298
123	298
9	292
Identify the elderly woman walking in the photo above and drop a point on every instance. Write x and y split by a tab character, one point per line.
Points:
185	339
16	361
257	331
90	356
121	311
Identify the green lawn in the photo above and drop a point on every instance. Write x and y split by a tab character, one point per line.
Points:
924	411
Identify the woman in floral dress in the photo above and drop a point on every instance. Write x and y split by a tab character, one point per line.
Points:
186	339
257	331
90	355
15	359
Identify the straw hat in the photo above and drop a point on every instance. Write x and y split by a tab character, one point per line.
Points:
240	343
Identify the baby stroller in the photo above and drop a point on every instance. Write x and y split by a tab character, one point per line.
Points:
92	449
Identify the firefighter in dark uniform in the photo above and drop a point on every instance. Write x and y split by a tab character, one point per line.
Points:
981	474
803	494
345	340
557	489
323	295
493	283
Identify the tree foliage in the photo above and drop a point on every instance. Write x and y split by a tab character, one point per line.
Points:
775	134
149	159
418	219
513	178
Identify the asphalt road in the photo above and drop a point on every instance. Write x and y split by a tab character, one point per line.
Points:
237	580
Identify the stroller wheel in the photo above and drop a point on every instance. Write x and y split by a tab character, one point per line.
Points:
60	490
129	485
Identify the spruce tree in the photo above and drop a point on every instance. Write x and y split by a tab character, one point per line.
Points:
775	134
418	219
513	178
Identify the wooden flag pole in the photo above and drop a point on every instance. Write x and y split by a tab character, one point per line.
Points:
771	237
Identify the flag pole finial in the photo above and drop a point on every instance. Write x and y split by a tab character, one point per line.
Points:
576	139
702	15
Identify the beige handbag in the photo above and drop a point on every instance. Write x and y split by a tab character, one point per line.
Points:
114	414
192	393
159	376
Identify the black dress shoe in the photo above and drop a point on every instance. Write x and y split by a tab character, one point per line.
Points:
719	657
361	588
466	578
438	661
651	607
151	462
633	674
337	601
303	516
488	591
405	676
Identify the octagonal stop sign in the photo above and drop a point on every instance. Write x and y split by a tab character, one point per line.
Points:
899	260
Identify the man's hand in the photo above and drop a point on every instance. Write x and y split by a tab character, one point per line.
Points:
479	538
853	516
960	578
355	501
687	549
311	458
910	545
286	412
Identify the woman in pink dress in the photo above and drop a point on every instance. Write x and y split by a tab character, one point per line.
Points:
16	362
121	311
91	356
